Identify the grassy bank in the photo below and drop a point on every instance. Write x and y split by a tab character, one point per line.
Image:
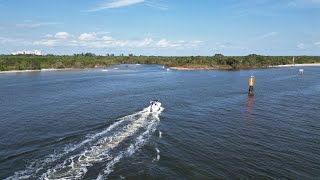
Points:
27	62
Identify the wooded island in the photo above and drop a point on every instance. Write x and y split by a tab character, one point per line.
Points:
89	60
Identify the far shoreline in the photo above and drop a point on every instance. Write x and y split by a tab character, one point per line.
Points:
37	70
172	68
194	68
298	65
218	68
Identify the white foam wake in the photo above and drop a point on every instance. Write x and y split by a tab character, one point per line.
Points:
75	166
139	142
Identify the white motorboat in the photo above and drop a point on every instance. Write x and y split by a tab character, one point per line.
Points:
301	71
155	106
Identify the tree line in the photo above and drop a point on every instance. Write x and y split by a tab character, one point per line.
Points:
90	60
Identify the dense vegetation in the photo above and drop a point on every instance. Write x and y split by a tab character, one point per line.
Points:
89	60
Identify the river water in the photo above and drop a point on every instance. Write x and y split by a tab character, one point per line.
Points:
94	124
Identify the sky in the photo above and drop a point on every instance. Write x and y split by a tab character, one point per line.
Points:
161	27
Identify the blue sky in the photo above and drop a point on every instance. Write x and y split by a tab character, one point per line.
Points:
161	27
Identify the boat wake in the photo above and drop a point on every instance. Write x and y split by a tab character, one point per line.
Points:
103	150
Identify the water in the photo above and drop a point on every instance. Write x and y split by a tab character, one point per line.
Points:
92	124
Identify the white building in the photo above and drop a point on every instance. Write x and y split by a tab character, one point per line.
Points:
35	52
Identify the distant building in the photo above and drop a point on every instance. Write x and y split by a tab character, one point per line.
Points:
35	52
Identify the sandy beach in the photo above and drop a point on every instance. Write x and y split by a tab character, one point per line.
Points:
173	68
194	68
299	65
216	68
42	70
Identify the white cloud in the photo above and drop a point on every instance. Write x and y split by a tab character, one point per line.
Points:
102	32
156	4
107	38
14	41
266	35
301	45
145	42
116	4
249	8
163	43
87	36
94	36
49	36
112	4
93	40
49	42
196	42
62	35
226	45
29	25
308	45
181	44
4	40
36	25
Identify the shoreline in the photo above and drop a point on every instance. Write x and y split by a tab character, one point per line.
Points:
194	68
218	68
172	68
298	65
40	70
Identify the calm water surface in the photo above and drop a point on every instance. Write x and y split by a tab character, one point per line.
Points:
89	124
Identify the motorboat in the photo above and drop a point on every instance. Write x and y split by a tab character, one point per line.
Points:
301	71
155	105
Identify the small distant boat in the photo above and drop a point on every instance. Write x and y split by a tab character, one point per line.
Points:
163	67
301	71
168	69
155	105
138	64
105	70
115	68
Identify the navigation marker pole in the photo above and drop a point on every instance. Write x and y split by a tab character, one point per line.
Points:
251	85
293	64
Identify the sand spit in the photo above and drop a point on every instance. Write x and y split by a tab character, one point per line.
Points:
42	70
299	65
